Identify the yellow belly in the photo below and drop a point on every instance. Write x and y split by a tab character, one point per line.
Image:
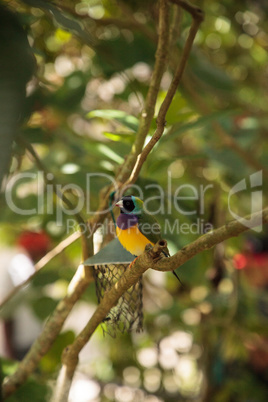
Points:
132	240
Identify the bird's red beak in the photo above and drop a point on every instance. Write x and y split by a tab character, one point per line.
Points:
119	204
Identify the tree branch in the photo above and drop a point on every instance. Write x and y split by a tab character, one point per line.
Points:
211	239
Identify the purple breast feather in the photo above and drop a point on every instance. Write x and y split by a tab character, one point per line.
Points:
125	221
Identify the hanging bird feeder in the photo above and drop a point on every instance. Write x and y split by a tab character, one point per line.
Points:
109	264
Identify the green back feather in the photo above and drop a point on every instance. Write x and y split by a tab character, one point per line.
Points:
149	227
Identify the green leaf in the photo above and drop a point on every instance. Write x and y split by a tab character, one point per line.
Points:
210	74
43	278
123	118
118	54
228	159
30	391
174	113
125	137
69	95
70	24
36	135
44	306
52	359
200	122
8	367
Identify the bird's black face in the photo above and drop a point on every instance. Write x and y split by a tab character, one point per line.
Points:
128	204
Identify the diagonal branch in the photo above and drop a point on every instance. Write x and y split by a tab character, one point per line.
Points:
211	239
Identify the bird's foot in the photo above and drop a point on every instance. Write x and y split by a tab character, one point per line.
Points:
131	264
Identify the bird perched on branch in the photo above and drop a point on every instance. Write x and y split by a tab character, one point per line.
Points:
135	228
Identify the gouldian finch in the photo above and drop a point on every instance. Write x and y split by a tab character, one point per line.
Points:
135	228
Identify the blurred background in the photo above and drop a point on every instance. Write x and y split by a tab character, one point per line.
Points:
73	79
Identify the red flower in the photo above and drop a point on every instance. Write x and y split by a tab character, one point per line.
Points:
36	243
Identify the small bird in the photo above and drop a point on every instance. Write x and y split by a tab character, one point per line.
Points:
135	228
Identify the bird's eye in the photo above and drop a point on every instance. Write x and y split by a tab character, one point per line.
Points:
128	205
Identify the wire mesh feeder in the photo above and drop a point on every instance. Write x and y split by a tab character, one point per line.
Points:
109	264
127	315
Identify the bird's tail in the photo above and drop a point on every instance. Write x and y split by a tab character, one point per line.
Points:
174	273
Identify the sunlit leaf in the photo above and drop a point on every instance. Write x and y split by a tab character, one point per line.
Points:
118	115
176	112
125	137
109	153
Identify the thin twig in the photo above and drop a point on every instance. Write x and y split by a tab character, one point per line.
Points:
197	19
149	107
